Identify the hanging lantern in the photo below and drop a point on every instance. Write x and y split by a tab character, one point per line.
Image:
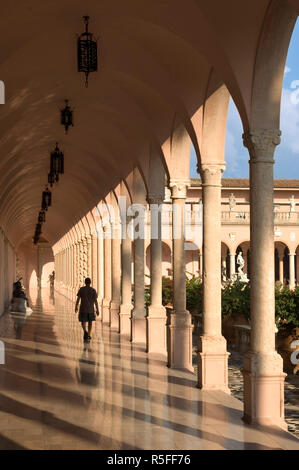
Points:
46	199
56	163
66	116
41	217
51	178
87	52
38	229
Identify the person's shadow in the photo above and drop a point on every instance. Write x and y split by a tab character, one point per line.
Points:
87	373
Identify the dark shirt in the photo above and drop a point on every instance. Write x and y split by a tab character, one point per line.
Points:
88	295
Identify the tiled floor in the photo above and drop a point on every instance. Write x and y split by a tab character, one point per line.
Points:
57	393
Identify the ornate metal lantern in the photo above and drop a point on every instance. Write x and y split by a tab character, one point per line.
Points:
87	52
56	164
38	229
41	217
66	116
46	199
51	178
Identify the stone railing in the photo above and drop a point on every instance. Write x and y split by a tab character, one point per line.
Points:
239	217
234	217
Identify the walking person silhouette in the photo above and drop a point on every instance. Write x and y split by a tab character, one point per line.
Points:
88	297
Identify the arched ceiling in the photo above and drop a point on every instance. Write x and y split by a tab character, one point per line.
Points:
155	59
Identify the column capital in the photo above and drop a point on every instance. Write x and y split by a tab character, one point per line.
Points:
179	188
88	238
211	173
155	198
261	144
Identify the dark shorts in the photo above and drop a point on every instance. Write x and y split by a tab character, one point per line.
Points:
85	317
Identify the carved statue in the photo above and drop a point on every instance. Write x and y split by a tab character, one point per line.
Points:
223	273
242	277
240	263
232	201
292	203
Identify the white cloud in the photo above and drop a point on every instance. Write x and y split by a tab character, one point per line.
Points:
286	69
289	122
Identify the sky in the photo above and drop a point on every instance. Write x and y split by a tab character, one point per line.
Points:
287	153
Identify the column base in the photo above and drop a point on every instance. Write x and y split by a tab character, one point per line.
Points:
138	330
114	315
106	311
156	338
125	319
213	363
264	389
180	341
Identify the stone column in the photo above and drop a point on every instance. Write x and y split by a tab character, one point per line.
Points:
85	245
201	263
263	366
212	353
107	275
223	264
126	281
76	267
89	256
57	267
39	266
115	301
67	258
138	318
94	264
232	258
245	269
81	273
281	269
100	249
63	269
292	282
156	319
73	267
180	328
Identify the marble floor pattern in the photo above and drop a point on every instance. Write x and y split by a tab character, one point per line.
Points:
58	393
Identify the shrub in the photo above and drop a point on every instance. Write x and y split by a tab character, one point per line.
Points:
286	307
194	294
236	299
167	290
